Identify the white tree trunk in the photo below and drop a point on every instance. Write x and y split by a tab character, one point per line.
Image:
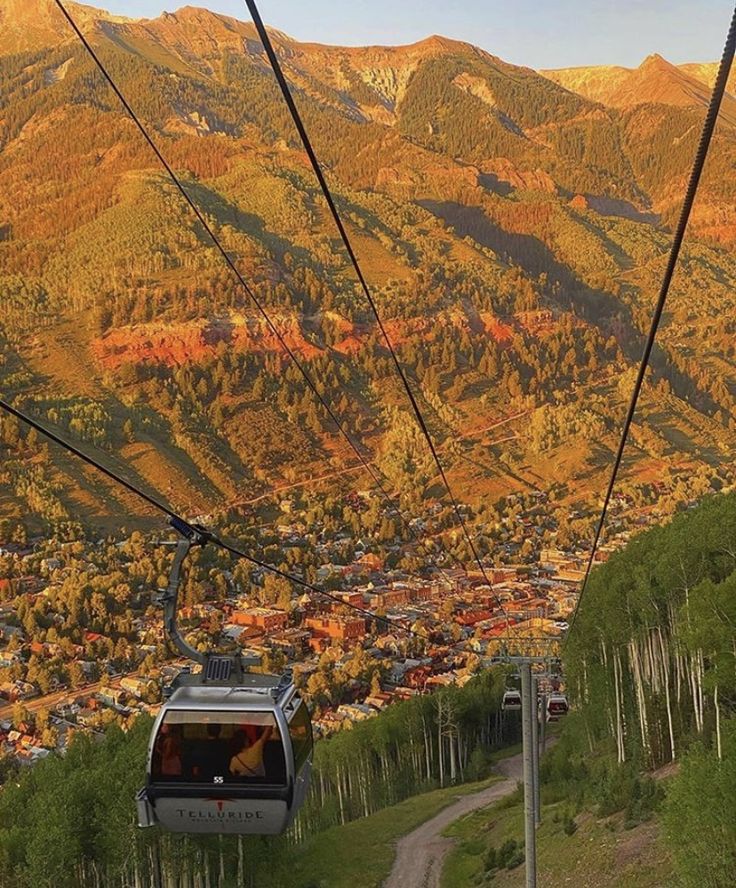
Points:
453	755
439	741
701	698
640	697
666	671
621	752
693	673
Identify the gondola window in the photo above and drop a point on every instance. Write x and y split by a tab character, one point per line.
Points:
219	748
300	731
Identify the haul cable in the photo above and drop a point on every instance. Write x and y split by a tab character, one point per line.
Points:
186	528
306	142
193	530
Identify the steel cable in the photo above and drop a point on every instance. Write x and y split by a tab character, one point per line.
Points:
244	284
306	142
709	124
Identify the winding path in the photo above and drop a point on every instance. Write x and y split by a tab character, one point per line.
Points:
421	853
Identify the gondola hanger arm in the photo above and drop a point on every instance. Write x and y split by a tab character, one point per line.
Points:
192	535
170	600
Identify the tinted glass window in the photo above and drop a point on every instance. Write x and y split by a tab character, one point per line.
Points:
219	748
300	731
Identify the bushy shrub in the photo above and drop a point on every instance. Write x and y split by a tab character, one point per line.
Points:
508	856
478	763
621	788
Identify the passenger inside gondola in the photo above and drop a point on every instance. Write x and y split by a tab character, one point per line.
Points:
170	751
247	759
219	748
205	758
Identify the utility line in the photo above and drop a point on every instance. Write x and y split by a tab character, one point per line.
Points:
709	124
80	454
176	521
306	142
244	284
216	242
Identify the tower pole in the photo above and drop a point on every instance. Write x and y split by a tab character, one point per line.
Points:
535	749
530	839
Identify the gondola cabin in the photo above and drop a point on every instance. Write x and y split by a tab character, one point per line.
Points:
556	707
511	701
231	760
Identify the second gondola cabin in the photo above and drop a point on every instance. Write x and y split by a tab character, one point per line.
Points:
228	759
557	707
511	701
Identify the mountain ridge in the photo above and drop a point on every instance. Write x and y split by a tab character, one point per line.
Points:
654	81
36	24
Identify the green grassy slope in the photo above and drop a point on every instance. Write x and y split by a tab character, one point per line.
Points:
599	854
361	853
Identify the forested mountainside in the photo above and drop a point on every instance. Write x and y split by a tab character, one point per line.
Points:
654	636
513	232
651	670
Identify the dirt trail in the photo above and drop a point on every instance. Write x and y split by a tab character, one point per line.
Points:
421	853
